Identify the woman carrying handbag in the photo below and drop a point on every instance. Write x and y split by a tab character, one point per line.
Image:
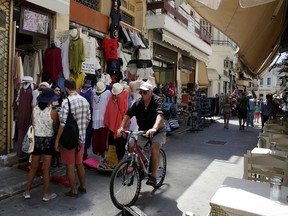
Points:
43	118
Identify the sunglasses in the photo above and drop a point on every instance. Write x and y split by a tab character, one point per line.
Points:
143	92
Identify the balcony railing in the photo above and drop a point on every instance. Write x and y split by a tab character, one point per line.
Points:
181	16
224	43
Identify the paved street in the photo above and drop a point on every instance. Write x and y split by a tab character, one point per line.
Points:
198	162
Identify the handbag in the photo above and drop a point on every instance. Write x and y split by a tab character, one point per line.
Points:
70	136
28	141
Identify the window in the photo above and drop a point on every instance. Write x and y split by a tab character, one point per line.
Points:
261	96
205	27
268	81
93	4
261	83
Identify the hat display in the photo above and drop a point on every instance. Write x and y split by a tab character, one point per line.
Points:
146	86
74	34
27	79
134	85
117	88
47	96
100	87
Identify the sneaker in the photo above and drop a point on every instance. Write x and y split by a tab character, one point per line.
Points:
26	195
151	181
49	197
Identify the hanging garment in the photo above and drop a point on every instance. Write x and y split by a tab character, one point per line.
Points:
76	55
110	47
53	63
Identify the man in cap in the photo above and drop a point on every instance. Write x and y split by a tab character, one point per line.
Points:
148	111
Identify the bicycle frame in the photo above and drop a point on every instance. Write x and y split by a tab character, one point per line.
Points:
138	153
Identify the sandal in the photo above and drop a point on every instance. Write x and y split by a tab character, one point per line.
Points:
71	194
82	190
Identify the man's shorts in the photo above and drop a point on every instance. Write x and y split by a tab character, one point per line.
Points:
72	156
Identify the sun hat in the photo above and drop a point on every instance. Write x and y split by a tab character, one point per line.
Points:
46	84
100	87
27	79
117	88
47	96
146	86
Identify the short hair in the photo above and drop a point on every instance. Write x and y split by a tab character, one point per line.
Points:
70	83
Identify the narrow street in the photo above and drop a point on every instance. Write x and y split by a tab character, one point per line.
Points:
198	162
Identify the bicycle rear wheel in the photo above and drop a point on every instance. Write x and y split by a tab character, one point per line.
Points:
161	172
125	184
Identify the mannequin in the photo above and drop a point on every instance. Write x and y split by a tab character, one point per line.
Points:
23	111
100	98
116	109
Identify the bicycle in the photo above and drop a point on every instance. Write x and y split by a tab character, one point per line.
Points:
125	182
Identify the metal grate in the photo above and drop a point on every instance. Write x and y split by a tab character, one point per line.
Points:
215	142
4	63
93	4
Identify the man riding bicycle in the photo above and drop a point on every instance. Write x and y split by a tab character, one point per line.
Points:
148	111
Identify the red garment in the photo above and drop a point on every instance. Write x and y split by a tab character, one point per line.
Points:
115	111
53	63
110	47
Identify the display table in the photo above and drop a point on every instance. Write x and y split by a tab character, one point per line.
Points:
245	197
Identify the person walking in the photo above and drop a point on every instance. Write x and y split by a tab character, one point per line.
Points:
80	110
226	109
242	105
257	111
148	111
268	109
251	110
43	118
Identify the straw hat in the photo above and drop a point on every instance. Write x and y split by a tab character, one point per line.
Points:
100	87
47	96
27	79
45	85
117	88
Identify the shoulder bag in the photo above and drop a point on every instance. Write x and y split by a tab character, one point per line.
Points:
28	141
70	136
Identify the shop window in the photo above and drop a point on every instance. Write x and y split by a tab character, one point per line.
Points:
93	4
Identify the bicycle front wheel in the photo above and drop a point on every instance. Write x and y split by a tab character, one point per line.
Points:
161	172
125	184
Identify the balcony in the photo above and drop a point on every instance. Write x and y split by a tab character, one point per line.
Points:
161	15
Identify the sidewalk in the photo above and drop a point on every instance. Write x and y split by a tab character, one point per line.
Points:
13	180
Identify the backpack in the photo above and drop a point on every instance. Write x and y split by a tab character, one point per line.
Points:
70	137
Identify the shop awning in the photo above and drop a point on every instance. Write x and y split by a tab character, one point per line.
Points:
183	45
175	41
212	74
259	30
202	74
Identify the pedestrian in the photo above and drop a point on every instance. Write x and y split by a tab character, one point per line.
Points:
148	111
242	106
226	109
268	109
251	110
216	108
80	110
43	118
257	111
